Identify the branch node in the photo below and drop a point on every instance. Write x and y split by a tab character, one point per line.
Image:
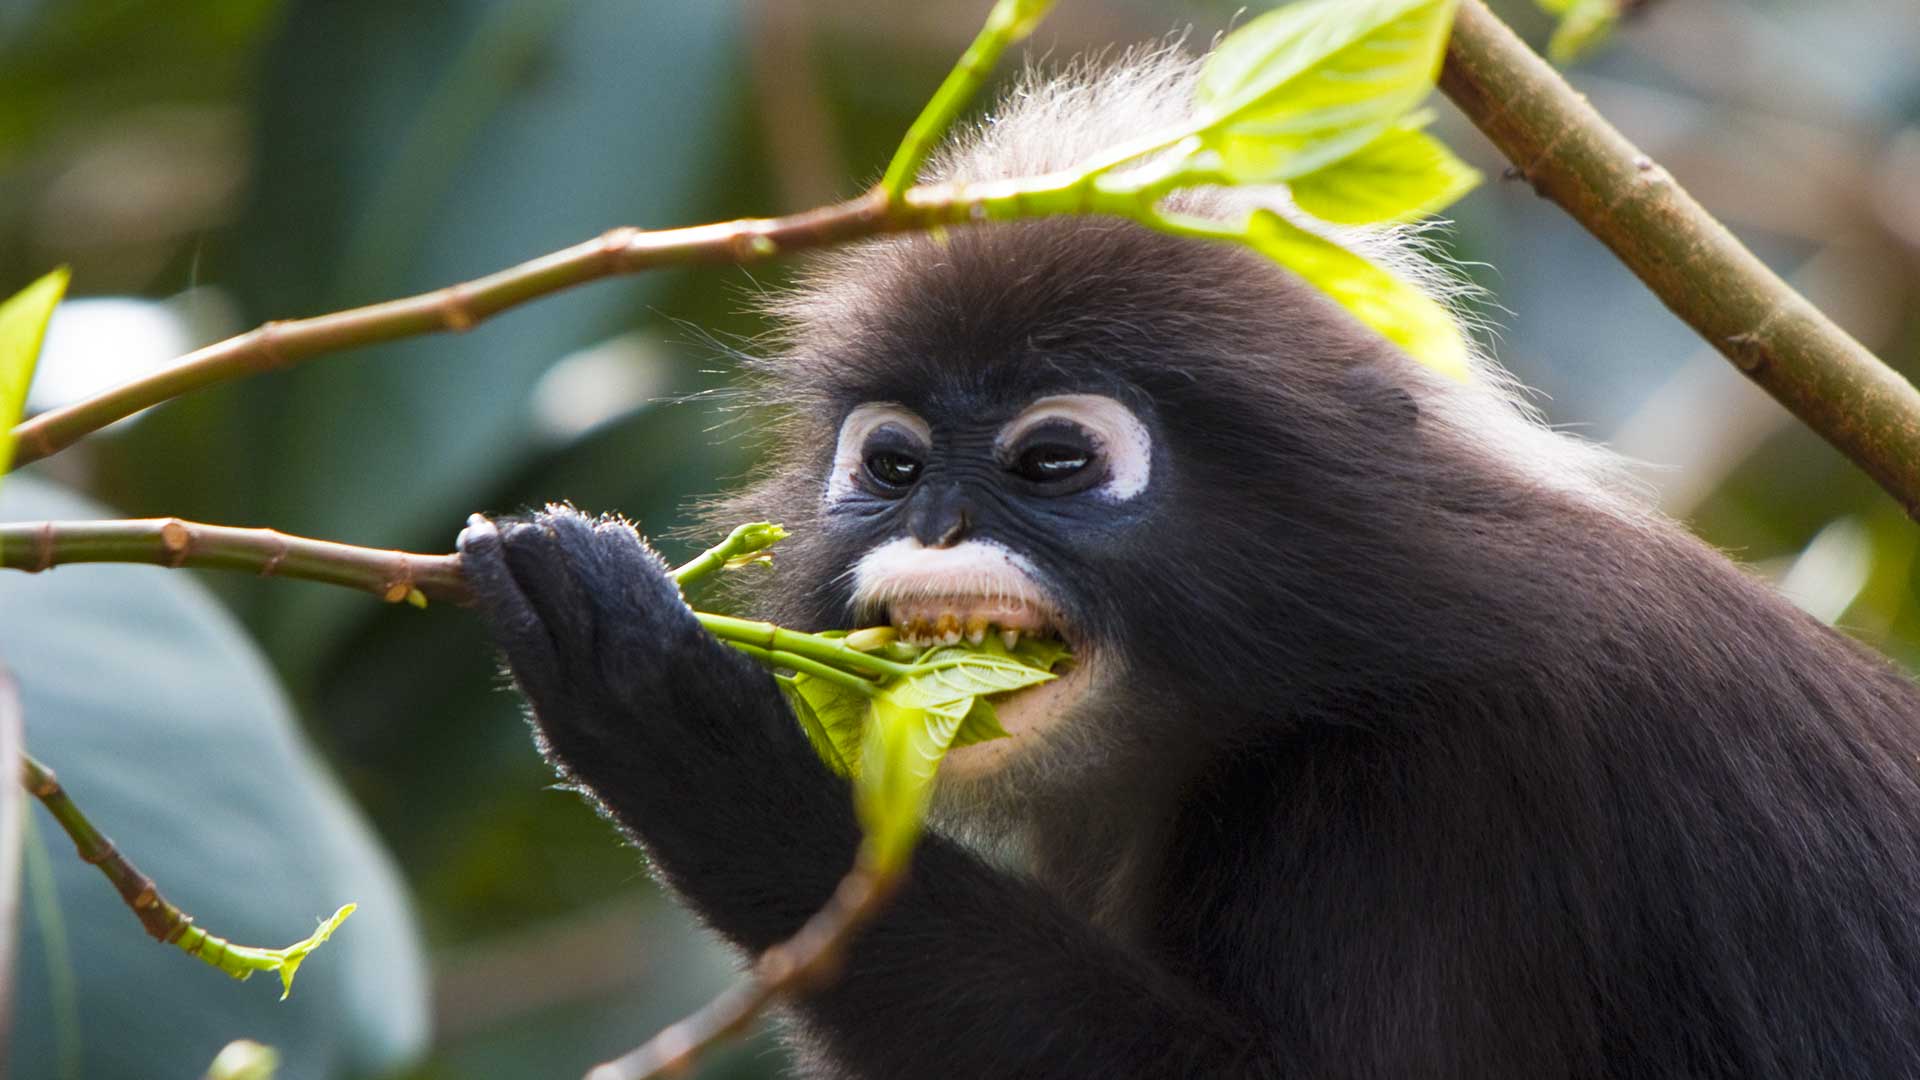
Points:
177	540
44	548
45	785
616	244
454	312
272	565
748	246
270	355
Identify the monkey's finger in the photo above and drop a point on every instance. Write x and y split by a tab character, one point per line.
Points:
547	556
516	626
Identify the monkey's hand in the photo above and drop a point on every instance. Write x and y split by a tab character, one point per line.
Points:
687	743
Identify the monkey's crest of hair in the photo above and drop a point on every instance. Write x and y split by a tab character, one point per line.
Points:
1054	120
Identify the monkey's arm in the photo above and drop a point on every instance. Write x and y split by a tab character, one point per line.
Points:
691	748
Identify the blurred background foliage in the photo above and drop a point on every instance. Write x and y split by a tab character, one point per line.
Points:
204	166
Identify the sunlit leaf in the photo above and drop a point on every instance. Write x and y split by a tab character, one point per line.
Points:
1401	313
1403	175
1304	86
23	326
956	674
903	748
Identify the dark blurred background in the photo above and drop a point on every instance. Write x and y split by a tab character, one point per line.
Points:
204	166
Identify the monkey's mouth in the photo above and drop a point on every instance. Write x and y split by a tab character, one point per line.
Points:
1030	717
949	620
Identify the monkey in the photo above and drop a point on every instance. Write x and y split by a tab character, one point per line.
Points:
1401	737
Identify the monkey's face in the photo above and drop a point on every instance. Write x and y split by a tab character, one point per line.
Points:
961	518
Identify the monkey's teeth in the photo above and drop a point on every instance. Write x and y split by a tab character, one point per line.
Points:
1009	638
976	630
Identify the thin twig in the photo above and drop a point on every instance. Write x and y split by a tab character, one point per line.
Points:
393	576
804	960
1570	154
162	920
1009	22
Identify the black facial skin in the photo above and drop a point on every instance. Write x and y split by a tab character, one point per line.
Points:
1419	765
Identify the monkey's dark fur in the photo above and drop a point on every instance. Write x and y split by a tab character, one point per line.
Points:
1427	760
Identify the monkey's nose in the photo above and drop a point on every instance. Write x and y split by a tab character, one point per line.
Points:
941	518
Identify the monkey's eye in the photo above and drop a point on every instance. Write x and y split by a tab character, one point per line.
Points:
1056	459
891	461
892	470
1049	462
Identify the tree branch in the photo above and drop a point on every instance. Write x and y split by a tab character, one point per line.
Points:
393	576
1570	154
461	307
806	959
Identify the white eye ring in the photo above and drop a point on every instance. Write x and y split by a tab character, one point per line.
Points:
861	423
1120	436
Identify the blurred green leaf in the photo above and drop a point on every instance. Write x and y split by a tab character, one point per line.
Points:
903	747
23	326
171	733
1584	25
1399	312
244	1059
1304	86
471	136
1403	175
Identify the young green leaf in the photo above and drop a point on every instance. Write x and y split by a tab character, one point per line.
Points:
241	961
1304	86
951	676
1403	175
981	724
1401	313
835	721
1584	25
23	326
809	718
903	747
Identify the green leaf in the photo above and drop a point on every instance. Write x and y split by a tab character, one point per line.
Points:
1401	313
1584	25
1304	86
902	750
952	676
23	326
1402	175
803	711
836	720
981	724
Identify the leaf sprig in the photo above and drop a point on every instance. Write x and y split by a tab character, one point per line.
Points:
1321	97
877	710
